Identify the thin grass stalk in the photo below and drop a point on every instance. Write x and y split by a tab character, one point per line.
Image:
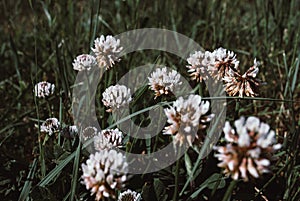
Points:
229	191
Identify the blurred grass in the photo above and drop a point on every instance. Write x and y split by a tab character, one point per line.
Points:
40	39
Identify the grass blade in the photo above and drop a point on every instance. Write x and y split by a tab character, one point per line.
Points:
75	172
27	186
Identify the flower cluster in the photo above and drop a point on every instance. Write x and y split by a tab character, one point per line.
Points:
186	116
84	62
107	50
248	149
104	172
129	195
163	81
50	126
249	144
221	64
115	97
107	139
43	89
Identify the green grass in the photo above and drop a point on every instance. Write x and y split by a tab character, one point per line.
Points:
40	39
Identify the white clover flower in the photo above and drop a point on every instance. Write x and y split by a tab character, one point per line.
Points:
185	117
50	126
107	51
84	62
248	149
107	139
89	132
163	81
130	195
222	61
198	63
115	97
104	172
43	89
243	85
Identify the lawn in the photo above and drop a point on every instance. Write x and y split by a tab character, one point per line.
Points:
230	135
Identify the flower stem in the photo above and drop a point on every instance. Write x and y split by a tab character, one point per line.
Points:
237	108
229	190
176	180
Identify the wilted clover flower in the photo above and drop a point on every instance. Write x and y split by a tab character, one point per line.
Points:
50	126
107	51
248	150
115	97
163	81
246	84
84	62
198	63
89	132
43	89
104	172
69	131
223	60
129	195
186	116
107	139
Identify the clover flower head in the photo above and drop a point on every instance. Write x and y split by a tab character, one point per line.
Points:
84	62
107	50
249	148
223	60
107	139
198	63
50	126
185	117
43	89
104	172
115	97
243	85
163	81
129	195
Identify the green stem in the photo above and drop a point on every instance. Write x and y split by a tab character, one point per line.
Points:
229	190
176	180
237	108
49	108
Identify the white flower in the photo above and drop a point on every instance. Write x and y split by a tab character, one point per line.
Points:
129	195
84	62
50	126
107	51
198	63
104	172
248	149
107	139
223	60
43	89
163	81
185	116
115	97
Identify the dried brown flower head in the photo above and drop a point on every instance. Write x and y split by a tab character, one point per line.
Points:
243	85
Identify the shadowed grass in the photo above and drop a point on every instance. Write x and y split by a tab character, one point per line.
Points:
40	39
